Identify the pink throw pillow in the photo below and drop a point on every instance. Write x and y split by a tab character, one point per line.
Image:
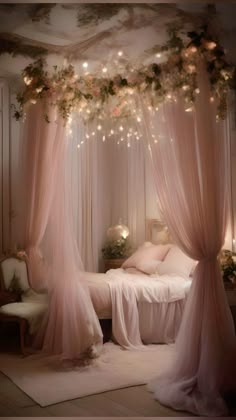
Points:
145	253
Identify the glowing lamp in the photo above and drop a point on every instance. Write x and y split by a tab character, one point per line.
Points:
118	231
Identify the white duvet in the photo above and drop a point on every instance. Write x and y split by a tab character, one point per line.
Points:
146	308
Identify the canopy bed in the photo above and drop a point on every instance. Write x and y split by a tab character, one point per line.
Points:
181	111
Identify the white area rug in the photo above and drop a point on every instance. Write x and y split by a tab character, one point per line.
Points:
47	383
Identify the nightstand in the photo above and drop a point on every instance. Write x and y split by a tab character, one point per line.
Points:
113	263
231	297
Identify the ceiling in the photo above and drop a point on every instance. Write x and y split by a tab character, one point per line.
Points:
96	32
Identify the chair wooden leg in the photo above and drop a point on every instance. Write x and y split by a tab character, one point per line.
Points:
23	328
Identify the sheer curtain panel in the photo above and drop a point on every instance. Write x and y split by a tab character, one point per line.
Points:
189	151
71	328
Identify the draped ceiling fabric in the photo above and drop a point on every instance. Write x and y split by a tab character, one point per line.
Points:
71	328
191	163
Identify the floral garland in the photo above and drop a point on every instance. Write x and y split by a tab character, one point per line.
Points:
158	82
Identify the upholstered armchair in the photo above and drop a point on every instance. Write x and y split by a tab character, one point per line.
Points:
18	301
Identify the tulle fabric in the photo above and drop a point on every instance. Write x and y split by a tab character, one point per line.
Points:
71	328
190	158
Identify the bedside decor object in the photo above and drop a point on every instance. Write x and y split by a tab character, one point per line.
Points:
117	247
228	267
118	231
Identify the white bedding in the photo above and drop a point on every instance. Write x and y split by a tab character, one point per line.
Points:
146	308
143	308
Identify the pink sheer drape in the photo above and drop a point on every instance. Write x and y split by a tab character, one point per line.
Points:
71	328
190	157
42	142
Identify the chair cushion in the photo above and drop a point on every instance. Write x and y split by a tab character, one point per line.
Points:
32	312
33	297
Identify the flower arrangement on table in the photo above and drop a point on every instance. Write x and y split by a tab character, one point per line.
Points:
228	268
116	249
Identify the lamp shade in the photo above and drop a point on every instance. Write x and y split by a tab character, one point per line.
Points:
116	232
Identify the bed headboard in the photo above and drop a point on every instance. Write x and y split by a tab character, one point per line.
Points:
157	232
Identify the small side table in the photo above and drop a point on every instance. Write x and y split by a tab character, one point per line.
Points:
231	297
113	263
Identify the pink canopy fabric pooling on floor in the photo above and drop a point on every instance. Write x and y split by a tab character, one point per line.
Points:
191	165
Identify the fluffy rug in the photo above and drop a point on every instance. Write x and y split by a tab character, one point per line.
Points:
48	383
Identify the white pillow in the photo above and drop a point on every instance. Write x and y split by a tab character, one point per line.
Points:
148	267
176	262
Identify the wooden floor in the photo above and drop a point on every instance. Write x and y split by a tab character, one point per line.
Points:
127	402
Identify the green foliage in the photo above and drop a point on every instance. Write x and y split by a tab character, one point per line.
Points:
157	82
116	249
228	266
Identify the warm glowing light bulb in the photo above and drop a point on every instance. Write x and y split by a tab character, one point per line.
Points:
189	109
85	65
210	45
128	145
78	145
185	87
139	119
27	80
197	90
121	128
39	89
112	132
192	49
104	70
120	53
212	99
87	136
99	127
103	138
158	55
191	68
93	133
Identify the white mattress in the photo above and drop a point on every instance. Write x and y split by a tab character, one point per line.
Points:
100	292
